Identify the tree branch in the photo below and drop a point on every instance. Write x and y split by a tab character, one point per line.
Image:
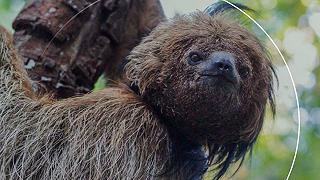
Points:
97	40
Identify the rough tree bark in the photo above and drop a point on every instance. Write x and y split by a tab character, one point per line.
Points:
95	41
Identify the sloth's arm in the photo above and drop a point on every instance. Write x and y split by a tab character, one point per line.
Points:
103	134
12	74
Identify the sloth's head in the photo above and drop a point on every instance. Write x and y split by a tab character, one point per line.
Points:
209	78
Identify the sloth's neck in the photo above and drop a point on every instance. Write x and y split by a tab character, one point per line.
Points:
187	160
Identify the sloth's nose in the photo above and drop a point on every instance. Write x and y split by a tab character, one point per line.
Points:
222	63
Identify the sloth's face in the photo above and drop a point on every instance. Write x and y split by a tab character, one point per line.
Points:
210	89
209	78
216	70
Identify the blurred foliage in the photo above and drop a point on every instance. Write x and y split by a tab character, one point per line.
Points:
272	156
100	84
8	11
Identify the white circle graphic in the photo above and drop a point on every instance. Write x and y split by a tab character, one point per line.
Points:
292	81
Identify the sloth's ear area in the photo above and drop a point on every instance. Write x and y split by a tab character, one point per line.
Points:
144	64
221	7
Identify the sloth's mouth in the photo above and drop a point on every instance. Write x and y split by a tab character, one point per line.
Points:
220	77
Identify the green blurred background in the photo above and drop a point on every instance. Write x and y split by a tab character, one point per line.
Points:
295	27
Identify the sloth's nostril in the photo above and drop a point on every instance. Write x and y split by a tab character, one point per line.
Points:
223	65
220	66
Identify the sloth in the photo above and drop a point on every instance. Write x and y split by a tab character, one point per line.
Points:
194	97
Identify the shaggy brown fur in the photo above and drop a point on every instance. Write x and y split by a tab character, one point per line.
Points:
156	130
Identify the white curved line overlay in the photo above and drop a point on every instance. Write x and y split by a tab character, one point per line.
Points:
292	81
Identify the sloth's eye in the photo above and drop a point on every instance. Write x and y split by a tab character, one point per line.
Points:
195	57
244	72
